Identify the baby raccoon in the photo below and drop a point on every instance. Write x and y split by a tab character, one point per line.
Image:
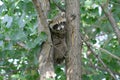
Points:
58	34
57	25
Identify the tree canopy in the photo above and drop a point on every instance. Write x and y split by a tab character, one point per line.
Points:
20	41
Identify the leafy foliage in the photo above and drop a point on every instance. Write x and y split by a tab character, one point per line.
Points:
20	42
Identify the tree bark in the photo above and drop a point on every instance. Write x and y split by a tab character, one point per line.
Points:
46	68
74	42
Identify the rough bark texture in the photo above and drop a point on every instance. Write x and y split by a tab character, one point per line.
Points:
74	42
46	68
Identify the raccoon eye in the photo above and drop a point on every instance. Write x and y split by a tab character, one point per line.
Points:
55	27
63	23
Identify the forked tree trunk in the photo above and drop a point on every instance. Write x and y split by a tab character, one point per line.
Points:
74	42
73	57
46	68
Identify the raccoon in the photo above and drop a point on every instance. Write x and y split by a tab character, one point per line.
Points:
58	34
57	24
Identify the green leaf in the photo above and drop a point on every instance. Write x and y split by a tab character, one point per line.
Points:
1	77
8	20
88	3
15	76
43	36
38	41
22	22
17	35
1	43
85	77
99	76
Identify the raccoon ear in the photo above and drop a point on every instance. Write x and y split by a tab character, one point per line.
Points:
49	21
63	14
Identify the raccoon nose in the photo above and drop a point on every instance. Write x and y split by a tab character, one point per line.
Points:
59	28
62	26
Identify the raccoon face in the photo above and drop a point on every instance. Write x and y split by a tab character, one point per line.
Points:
59	26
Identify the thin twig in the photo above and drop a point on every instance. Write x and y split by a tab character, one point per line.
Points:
112	21
109	53
40	13
97	56
59	7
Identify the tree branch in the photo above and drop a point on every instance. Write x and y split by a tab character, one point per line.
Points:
59	7
109	53
46	68
111	19
97	56
101	68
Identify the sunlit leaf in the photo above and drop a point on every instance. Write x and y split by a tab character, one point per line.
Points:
8	20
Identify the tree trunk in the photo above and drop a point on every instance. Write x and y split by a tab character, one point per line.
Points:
74	42
46	68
